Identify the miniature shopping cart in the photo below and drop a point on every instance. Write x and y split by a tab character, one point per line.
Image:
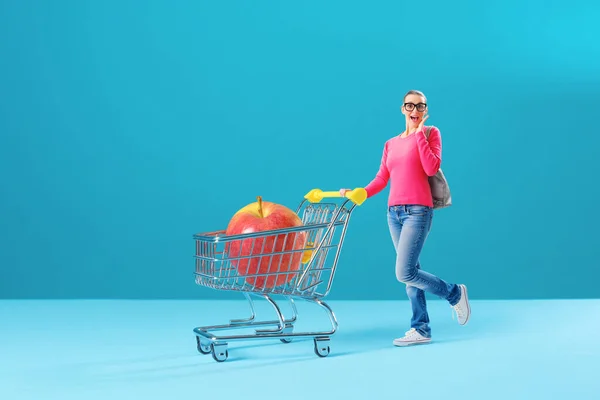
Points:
293	272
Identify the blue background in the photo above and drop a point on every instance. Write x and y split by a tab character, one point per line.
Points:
127	126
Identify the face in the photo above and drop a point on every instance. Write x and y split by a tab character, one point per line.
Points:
414	108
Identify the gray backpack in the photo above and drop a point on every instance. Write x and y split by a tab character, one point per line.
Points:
440	191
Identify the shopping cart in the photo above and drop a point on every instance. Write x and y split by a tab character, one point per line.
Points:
303	272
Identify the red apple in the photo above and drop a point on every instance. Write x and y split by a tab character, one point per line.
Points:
258	251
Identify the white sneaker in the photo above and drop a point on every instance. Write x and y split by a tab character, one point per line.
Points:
462	308
411	337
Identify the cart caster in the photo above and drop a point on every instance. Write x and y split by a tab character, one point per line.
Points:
322	347
202	348
289	328
219	352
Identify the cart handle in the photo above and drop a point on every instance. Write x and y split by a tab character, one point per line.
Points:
357	196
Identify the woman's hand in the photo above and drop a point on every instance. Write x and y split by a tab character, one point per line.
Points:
422	123
344	191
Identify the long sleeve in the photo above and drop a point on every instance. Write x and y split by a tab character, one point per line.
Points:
381	178
430	151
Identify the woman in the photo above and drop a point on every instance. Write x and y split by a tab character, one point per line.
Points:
407	162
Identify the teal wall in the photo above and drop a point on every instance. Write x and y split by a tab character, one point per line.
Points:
127	126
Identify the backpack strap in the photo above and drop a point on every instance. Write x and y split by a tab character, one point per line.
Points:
427	132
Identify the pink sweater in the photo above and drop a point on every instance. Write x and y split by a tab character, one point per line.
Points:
406	163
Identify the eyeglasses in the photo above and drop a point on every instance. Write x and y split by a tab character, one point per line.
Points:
411	106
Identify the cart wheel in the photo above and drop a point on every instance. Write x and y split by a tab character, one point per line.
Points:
322	347
202	348
219	352
289	328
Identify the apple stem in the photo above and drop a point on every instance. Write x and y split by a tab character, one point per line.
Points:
260	210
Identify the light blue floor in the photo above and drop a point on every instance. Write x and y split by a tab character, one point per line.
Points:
146	350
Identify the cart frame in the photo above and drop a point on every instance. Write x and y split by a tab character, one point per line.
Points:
311	281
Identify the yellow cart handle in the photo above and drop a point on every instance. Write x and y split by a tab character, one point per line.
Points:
357	196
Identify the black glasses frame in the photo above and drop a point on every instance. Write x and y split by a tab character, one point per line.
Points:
411	106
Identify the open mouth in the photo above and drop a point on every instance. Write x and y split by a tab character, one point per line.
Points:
414	119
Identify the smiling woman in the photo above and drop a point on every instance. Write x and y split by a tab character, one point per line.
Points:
408	160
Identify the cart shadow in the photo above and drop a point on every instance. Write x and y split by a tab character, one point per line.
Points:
241	357
246	355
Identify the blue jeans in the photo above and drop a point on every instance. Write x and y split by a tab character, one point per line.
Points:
409	227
